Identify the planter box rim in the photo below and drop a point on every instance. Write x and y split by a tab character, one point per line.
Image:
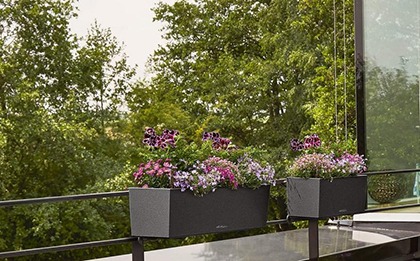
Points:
204	194
329	178
155	188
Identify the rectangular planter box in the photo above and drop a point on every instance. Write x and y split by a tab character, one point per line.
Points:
170	213
324	198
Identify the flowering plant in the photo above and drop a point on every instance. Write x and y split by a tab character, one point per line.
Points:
216	163
327	163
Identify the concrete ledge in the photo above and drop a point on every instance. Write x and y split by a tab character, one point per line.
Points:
387	217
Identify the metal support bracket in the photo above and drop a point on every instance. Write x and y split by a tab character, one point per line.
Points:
138	250
313	237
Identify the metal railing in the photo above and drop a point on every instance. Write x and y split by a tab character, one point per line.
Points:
138	243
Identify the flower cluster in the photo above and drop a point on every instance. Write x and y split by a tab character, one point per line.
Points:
227	169
312	141
199	168
319	165
218	142
163	141
256	174
207	176
352	164
313	165
154	171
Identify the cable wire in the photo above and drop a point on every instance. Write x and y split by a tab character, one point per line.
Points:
345	69
335	71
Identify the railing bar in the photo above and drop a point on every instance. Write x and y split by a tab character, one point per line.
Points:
277	222
9	203
43	250
17	202
382	172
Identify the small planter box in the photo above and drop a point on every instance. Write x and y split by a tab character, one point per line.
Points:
323	198
170	213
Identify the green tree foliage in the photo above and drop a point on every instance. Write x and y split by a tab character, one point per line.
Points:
227	66
60	100
317	19
258	71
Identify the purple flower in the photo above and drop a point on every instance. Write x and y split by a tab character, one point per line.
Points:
150	131
148	165
156	166
206	136
251	168
294	144
219	143
312	141
155	141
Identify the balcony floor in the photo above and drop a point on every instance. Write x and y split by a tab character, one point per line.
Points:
352	243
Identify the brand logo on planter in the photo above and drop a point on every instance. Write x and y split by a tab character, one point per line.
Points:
221	227
342	210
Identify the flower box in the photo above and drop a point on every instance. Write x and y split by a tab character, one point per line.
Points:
170	213
322	198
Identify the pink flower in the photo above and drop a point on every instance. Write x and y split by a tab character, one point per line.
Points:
156	166
148	165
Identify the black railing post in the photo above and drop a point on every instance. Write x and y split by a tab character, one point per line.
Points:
138	250
313	240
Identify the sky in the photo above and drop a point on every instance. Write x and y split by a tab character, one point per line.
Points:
130	21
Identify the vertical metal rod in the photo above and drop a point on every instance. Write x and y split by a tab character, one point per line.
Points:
138	250
335	71
313	240
345	69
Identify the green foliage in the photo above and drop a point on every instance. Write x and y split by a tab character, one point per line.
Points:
227	67
59	124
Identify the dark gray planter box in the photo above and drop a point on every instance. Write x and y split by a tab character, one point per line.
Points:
323	198
170	213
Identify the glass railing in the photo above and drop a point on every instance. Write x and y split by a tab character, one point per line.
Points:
393	189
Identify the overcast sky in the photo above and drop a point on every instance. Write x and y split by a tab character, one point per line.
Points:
130	21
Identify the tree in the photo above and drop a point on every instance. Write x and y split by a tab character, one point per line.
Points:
54	138
233	66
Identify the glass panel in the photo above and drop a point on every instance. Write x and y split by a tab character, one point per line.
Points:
392	190
391	35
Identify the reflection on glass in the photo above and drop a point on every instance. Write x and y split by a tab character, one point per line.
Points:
390	190
391	33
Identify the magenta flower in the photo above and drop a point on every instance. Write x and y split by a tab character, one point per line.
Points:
312	141
219	143
155	141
